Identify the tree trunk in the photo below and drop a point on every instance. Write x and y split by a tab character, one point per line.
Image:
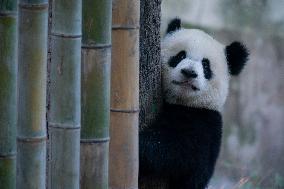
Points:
96	62
8	91
31	141
150	62
124	95
65	95
150	74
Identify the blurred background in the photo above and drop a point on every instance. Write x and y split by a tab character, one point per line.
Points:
252	154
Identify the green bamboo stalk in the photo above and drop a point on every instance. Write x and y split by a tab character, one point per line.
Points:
31	138
8	97
96	59
65	95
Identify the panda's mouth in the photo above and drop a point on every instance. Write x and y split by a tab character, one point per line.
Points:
186	83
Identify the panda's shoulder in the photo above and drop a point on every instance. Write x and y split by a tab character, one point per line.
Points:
189	116
176	118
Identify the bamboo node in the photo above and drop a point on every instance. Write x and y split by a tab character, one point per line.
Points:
96	46
63	126
125	27
11	14
96	140
32	139
11	155
40	6
124	110
65	35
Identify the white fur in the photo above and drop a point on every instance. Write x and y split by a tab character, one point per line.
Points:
198	45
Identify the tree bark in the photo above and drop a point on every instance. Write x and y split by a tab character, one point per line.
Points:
8	93
31	134
150	74
96	62
150	62
124	95
65	95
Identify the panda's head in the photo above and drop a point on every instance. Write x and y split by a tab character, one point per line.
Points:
196	68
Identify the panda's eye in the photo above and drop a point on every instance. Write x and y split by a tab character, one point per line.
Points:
206	68
174	60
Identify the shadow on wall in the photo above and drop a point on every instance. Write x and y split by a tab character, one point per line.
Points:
252	155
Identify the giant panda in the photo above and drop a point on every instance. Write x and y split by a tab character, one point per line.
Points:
181	147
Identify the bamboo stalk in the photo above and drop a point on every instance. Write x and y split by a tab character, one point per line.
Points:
124	95
8	97
96	58
31	137
64	114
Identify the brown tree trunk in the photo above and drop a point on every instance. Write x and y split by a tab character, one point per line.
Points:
150	74
150	61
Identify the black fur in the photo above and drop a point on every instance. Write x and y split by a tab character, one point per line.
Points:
188	73
174	25
237	56
181	147
174	60
206	68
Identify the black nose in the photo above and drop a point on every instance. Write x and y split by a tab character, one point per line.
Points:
189	73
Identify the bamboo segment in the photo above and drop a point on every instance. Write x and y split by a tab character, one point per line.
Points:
63	170
94	164
96	23
96	58
8	97
31	163
124	95
8	172
96	75
126	14
32	94
65	96
124	151
125	65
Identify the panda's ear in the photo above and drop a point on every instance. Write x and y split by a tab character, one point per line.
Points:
237	56
174	25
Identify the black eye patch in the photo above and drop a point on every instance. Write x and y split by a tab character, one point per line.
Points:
206	68
174	60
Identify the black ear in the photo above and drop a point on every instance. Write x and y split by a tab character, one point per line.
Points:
237	56
174	25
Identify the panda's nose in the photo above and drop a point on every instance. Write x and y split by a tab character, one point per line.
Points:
188	73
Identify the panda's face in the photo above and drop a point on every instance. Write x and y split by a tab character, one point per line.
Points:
195	69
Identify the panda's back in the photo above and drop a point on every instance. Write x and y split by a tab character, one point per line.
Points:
184	143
